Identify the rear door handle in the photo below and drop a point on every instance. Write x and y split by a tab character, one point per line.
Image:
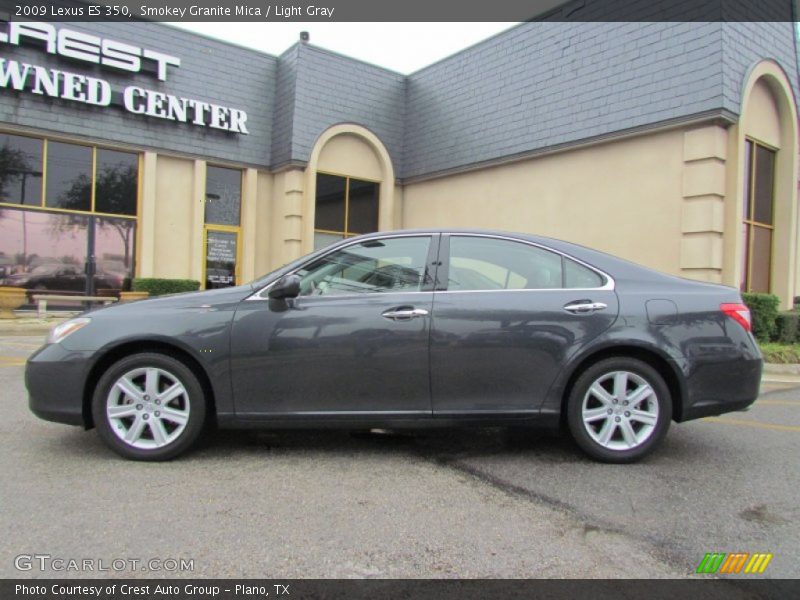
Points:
404	313
585	307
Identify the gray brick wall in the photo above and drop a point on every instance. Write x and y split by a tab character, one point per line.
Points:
744	45
284	111
210	71
332	89
544	84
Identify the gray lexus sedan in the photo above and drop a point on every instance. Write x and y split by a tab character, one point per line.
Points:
410	329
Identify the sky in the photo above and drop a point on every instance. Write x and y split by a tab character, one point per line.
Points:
402	47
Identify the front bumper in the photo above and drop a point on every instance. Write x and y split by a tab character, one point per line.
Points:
56	379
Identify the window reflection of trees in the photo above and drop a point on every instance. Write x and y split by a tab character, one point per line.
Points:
20	166
115	192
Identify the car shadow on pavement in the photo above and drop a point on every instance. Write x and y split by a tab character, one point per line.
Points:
541	446
545	445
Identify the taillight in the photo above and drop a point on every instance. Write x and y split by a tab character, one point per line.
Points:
738	312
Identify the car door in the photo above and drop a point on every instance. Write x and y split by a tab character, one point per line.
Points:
508	315
68	279
355	342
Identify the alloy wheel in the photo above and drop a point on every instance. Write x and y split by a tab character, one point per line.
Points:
620	410
148	408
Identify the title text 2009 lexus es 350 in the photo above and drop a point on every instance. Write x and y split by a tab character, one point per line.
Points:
410	329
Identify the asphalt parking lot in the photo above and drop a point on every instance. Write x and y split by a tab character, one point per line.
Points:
486	503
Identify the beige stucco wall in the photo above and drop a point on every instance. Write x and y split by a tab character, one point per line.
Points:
287	203
263	232
762	119
348	154
623	197
173	223
705	167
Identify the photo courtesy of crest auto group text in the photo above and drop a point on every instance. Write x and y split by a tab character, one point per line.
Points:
409	301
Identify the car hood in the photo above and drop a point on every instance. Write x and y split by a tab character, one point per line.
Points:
203	299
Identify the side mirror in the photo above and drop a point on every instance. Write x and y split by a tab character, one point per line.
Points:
287	286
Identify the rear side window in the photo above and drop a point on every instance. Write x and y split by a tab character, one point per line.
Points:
578	276
480	264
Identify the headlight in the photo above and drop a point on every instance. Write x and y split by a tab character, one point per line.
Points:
59	332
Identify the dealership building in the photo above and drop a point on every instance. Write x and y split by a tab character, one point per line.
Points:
162	153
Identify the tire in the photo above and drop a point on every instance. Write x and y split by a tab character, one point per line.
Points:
139	424
630	431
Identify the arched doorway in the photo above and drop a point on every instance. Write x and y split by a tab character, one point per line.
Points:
349	187
764	217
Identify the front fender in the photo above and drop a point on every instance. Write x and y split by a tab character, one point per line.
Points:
202	334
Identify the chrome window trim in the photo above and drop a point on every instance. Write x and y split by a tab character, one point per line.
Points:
610	284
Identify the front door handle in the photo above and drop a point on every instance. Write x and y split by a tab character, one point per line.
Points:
583	306
404	313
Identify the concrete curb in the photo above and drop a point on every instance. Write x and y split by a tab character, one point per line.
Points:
31	327
777	369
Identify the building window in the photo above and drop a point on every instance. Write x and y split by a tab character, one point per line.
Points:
61	205
222	223
345	207
69	178
20	170
758	225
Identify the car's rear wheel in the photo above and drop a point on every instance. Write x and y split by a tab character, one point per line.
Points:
619	410
149	406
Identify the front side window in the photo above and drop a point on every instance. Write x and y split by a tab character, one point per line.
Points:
375	266
481	264
758	225
345	207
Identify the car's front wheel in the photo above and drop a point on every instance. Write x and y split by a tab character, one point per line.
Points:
619	409
149	406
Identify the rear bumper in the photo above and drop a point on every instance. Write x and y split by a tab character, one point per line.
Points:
714	388
56	378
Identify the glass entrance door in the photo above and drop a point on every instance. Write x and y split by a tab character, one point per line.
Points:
222	257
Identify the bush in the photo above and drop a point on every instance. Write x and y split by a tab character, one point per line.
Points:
781	354
764	313
159	287
787	328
